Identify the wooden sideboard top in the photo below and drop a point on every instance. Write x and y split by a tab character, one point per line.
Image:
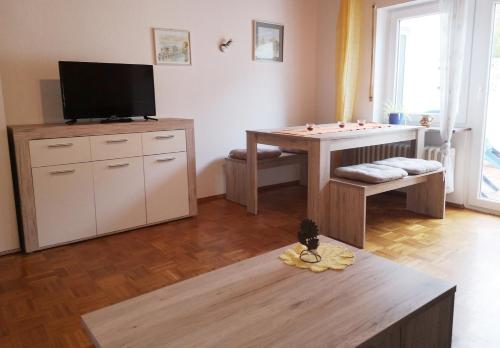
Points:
62	130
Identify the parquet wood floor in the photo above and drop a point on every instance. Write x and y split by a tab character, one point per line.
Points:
42	295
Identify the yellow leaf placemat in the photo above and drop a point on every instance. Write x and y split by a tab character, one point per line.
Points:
332	256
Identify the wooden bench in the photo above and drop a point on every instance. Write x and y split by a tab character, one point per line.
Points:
236	173
425	195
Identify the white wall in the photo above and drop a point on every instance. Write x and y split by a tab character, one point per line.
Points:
8	225
225	93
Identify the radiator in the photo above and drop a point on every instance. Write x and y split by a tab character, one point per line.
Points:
379	152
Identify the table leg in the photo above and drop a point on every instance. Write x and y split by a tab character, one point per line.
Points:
318	195
252	193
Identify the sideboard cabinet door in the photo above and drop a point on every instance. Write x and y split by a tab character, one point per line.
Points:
166	186
64	201
119	194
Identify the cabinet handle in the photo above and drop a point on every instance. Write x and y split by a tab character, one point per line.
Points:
162	137
118	165
168	159
60	145
116	141
59	172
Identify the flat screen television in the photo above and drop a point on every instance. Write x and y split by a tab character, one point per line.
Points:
106	90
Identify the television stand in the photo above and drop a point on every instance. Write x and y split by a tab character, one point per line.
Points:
128	198
117	120
149	118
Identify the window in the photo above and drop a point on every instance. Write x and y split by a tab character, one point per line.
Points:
407	60
417	65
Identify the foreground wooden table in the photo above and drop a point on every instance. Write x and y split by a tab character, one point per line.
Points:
319	148
261	302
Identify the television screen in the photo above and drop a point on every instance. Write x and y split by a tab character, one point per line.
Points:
102	90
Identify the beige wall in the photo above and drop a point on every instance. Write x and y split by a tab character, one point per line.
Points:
8	225
224	93
327	38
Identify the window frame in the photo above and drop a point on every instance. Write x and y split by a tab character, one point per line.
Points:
388	50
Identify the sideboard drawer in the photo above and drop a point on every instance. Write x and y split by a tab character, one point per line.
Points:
106	147
50	152
163	142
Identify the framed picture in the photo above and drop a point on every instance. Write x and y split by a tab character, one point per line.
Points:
268	41
172	46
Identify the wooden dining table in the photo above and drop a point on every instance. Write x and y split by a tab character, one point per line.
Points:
319	143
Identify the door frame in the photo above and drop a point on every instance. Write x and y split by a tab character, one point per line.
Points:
478	102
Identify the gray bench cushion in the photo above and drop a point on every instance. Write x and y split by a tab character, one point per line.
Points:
370	173
413	166
262	153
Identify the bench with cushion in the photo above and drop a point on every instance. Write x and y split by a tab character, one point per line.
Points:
235	168
425	195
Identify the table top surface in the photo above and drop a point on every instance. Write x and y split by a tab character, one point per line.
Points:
263	302
347	133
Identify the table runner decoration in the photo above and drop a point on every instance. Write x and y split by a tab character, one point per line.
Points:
349	127
332	257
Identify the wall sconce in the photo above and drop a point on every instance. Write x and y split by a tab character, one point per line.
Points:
224	46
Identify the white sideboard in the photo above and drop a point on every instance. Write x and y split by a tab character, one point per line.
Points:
76	182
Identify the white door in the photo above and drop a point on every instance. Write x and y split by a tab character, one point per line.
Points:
484	109
119	194
166	186
64	201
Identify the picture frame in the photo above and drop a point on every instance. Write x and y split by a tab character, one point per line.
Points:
172	46
268	41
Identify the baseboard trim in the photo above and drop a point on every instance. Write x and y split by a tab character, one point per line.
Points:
482	210
261	189
8	252
278	186
455	205
297	182
210	198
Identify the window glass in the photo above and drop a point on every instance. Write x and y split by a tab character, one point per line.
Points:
418	60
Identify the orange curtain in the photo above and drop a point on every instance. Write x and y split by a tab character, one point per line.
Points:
348	45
